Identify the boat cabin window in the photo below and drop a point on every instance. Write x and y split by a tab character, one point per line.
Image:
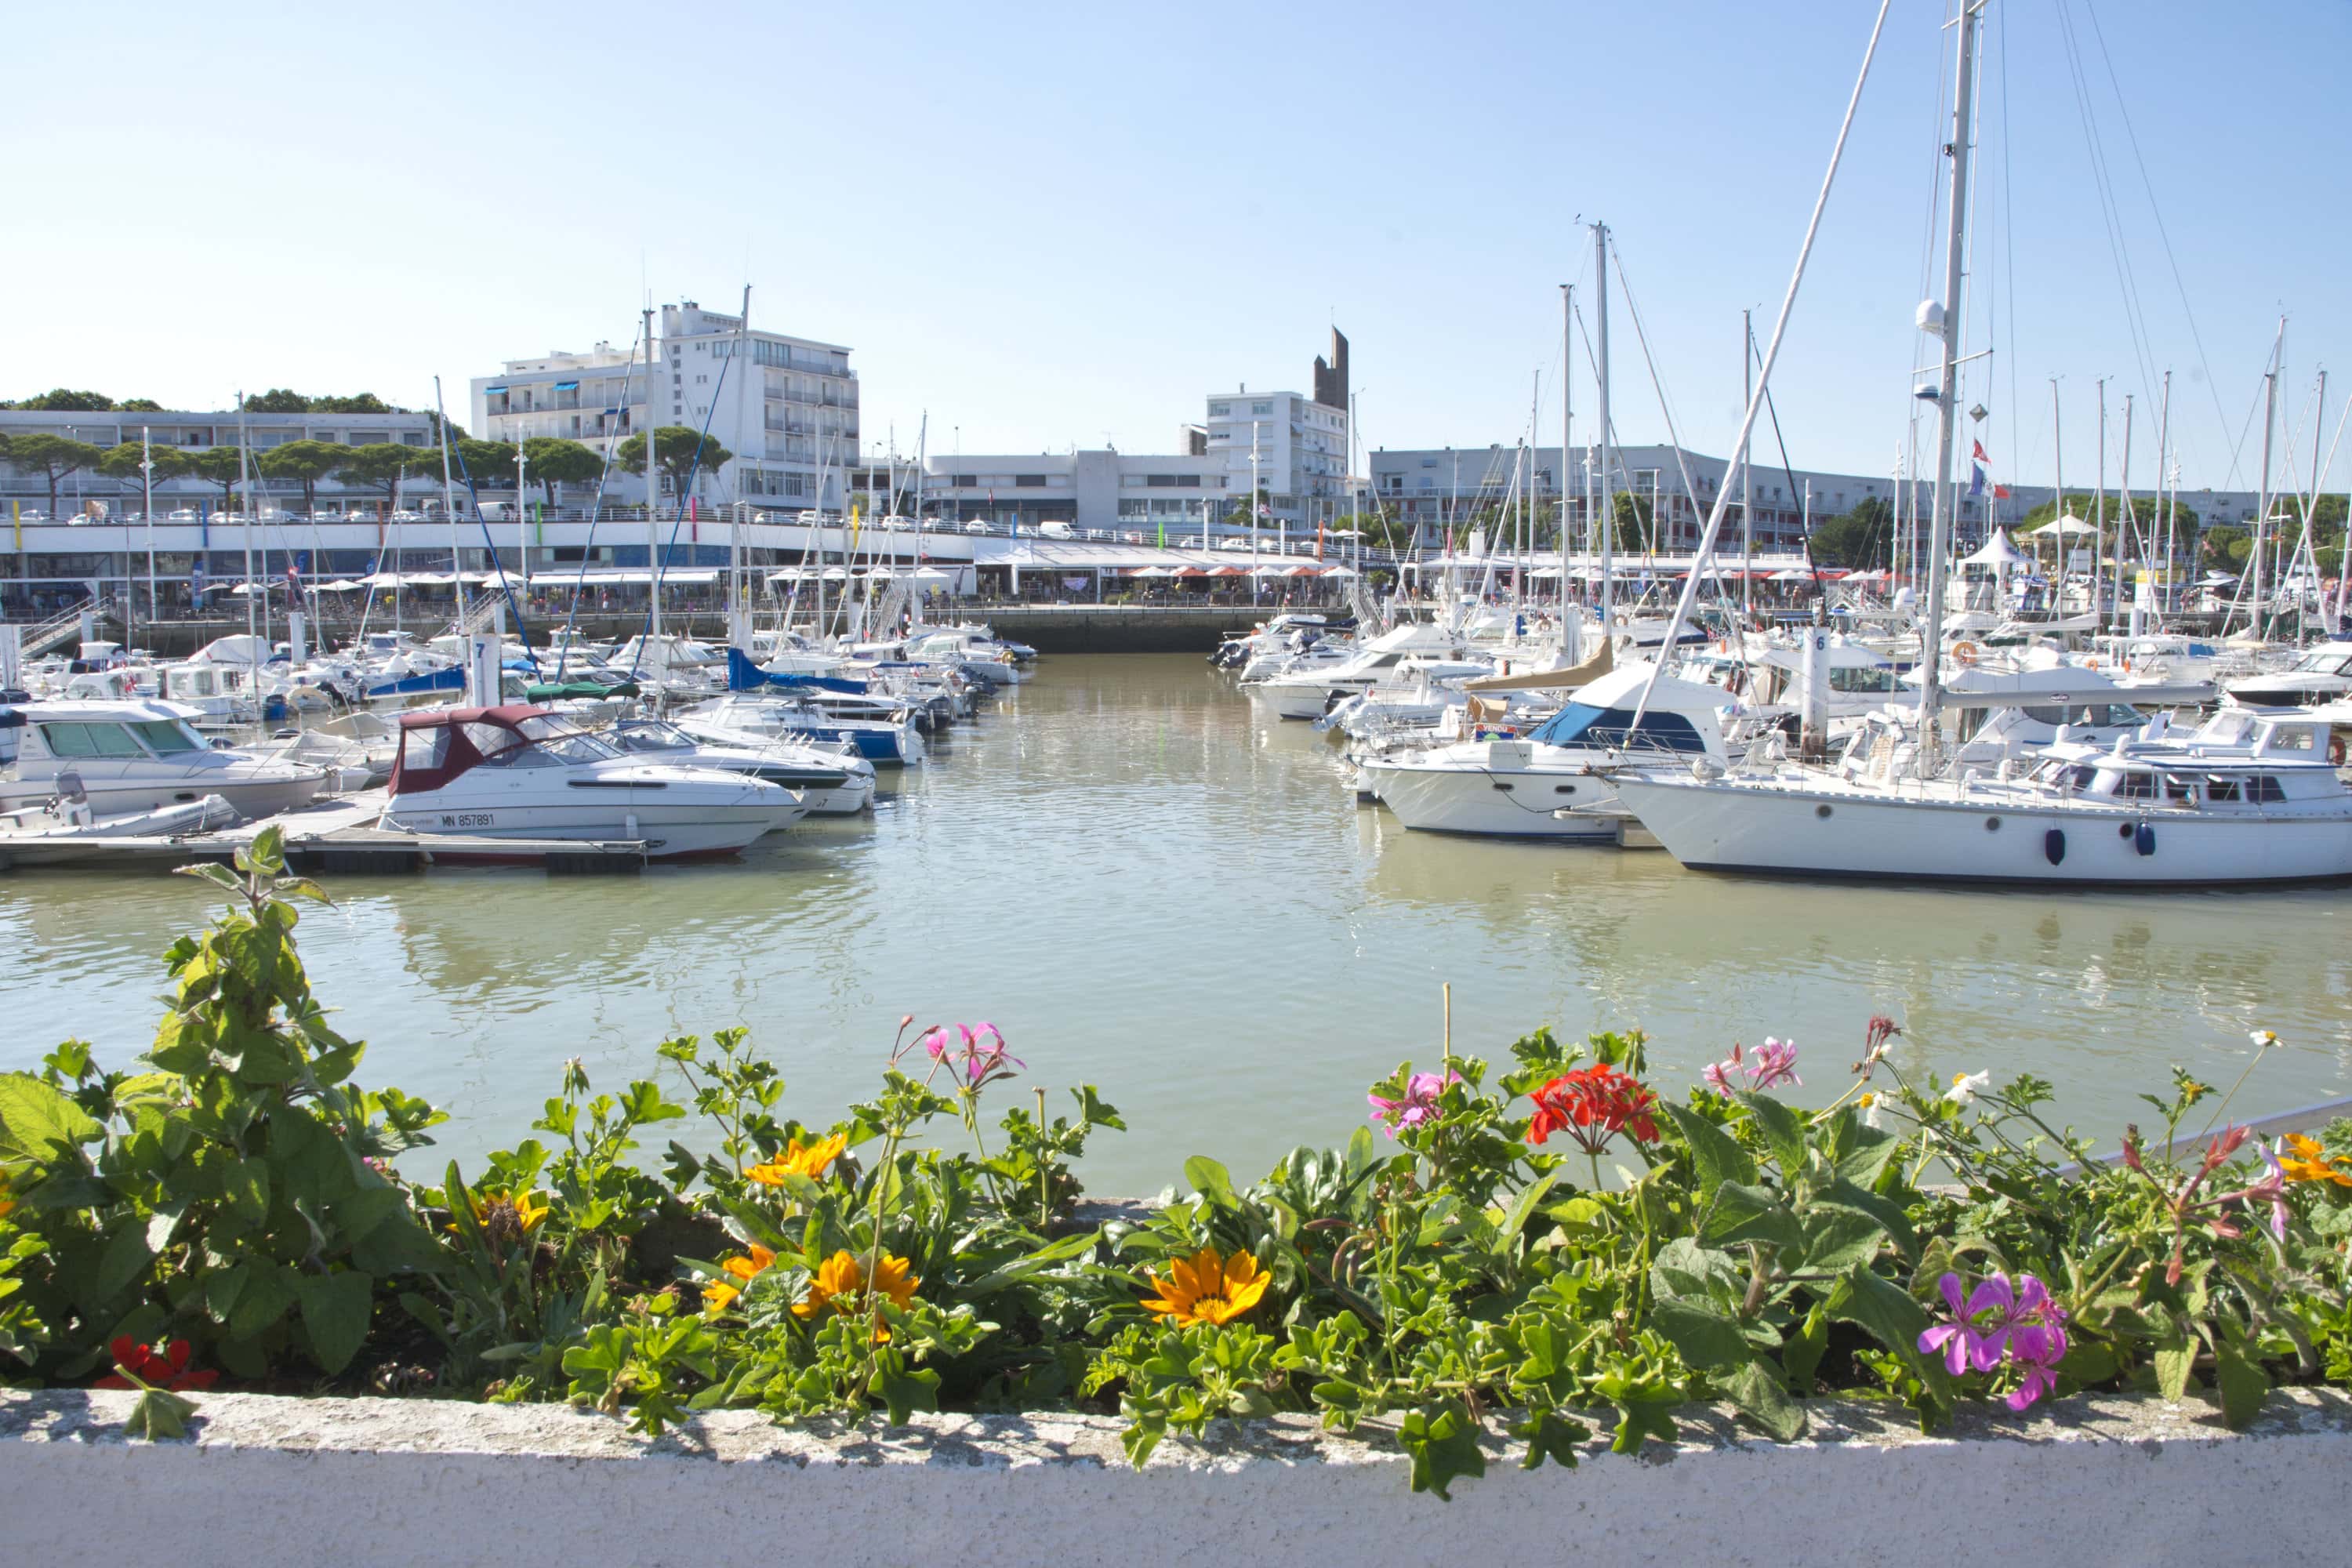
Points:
424	749
89	741
166	737
1862	678
2135	786
2263	790
2180	791
2289	738
490	739
2091	713
1578	724
2219	787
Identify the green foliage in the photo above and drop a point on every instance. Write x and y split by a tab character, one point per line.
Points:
54	458
680	452
235	1194
1862	539
306	463
383	464
65	400
221	466
487	462
1445	1281
276	400
123	462
552	461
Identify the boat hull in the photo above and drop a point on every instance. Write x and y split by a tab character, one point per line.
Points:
1724	825
1491	803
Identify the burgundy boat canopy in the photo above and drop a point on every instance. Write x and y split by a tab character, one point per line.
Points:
436	744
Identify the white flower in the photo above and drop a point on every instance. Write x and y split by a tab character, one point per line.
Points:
2263	1036
1966	1085
1874	1111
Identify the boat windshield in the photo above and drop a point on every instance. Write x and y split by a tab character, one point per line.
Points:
165	737
647	735
1579	724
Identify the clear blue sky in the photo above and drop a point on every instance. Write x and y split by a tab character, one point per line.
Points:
1049	226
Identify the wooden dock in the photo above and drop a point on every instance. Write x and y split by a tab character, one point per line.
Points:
336	836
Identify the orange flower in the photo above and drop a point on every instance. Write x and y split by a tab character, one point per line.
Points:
744	1268
1208	1289
799	1159
7	1203
2308	1160
840	1284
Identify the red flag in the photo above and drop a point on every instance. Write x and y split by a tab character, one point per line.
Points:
2001	492
1979	451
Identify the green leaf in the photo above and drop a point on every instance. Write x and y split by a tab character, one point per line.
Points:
1683	1267
222	1289
1705	1338
247	1188
38	1123
335	1312
1211	1181
1874	1149
1717	1157
1802	1354
2241	1384
263	1302
1642	1417
1743	1212
1883	1309
1844	1194
1443	1445
1836	1238
1550	1435
126	1256
159	1416
1781	1129
1761	1398
902	1391
2174	1354
1516	1219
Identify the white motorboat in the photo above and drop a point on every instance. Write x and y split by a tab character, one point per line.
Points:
1542	786
63	828
2245	800
2324	674
1310	693
143	755
854	795
793	767
521	772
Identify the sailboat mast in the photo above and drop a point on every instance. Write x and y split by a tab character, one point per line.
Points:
1600	371
1746	475
245	483
1567	430
1939	523
653	490
2262	512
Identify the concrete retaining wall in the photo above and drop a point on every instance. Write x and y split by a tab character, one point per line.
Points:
355	1483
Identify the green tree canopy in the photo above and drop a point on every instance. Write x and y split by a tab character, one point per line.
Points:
54	458
358	403
306	463
278	400
122	462
2084	505
217	466
554	461
675	447
141	405
382	465
1862	539
487	462
65	400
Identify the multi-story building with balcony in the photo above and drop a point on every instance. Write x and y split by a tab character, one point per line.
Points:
785	408
1296	446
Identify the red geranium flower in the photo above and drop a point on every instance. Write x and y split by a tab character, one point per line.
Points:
167	1370
1593	1105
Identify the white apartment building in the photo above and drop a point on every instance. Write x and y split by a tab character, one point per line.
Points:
1105	491
784	407
1296	447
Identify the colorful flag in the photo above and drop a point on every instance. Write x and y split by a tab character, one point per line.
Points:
1975	479
1979	452
2001	492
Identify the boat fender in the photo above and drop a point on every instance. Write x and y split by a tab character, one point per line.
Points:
2054	845
2144	840
2336	751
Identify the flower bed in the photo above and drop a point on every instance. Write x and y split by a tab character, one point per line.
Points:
231	1216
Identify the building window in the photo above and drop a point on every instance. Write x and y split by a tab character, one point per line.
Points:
1261	408
1029	481
1220	410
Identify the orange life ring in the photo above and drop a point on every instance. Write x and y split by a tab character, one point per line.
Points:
2336	751
1964	652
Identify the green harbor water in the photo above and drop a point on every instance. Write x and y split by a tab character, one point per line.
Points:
1148	888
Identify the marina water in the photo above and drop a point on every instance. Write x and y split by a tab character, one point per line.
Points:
1151	887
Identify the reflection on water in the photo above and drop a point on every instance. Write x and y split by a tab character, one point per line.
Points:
1151	889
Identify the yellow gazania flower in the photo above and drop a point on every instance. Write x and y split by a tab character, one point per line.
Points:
2308	1160
508	1215
840	1284
1208	1289
799	1159
742	1269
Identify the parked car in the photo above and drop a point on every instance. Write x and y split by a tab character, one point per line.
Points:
975	526
1057	531
894	523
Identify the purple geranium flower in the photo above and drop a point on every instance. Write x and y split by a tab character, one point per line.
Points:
1996	1322
1775	1064
1419	1106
